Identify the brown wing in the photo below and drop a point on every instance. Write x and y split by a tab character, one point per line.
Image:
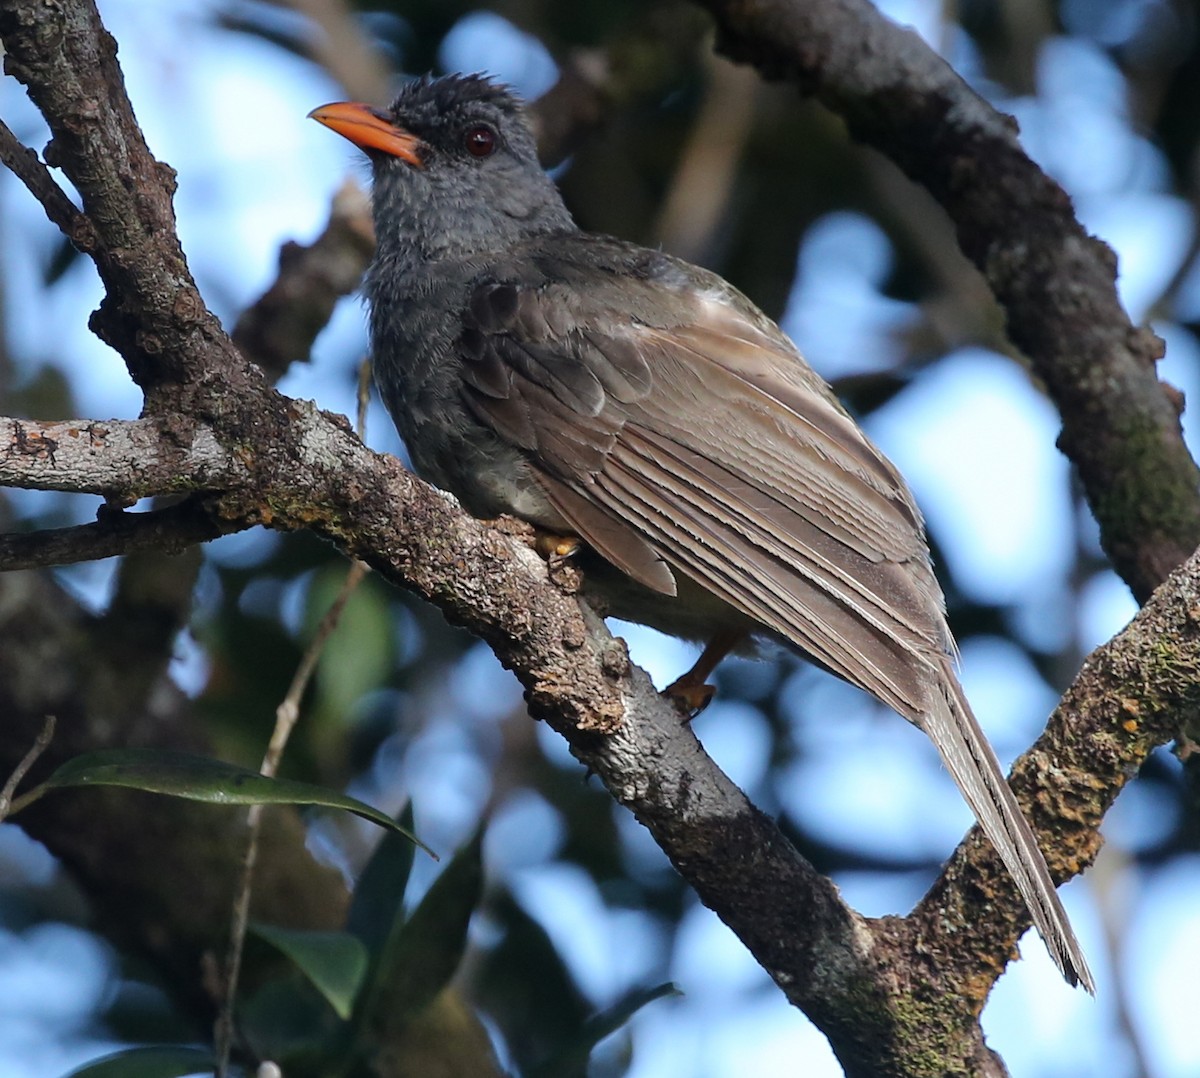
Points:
677	430
701	441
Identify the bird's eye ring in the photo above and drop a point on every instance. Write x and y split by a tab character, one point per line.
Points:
480	140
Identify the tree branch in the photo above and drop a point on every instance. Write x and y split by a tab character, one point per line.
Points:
152	313
577	678
25	164
279	328
123	458
171	530
1055	282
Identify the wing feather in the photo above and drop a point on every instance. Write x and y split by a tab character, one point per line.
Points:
825	615
770	497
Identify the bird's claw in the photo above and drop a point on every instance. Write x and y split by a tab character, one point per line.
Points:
555	548
689	695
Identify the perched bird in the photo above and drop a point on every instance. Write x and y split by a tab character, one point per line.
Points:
621	397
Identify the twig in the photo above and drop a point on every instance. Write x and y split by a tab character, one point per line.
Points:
22	769
286	716
170	530
25	164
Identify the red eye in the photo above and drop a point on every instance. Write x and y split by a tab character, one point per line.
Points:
480	141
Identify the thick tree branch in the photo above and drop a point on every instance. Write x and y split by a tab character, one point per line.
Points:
279	328
123	458
152	313
1133	695
1055	282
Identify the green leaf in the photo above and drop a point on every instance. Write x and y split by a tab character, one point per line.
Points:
422	956
289	1021
157	1062
377	908
526	988
200	778
335	962
359	654
573	1057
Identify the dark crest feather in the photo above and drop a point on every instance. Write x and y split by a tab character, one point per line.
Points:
431	99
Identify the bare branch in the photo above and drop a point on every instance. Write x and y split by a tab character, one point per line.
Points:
1132	695
170	530
280	327
123	458
67	60
25	164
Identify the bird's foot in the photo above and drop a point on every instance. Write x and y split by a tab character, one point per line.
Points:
690	694
555	548
559	552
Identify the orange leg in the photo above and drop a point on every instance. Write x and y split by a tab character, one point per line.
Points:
555	548
691	692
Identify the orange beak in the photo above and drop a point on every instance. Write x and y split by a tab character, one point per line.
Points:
370	129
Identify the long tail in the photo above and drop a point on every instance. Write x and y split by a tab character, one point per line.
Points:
970	760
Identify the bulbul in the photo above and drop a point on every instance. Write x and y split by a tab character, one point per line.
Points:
615	395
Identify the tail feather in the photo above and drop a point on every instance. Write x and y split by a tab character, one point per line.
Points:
971	762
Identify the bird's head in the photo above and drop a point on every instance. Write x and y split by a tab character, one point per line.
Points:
455	166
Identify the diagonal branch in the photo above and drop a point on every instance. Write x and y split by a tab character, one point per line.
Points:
279	328
1133	694
25	164
152	313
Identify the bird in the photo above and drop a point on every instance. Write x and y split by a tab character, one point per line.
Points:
653	423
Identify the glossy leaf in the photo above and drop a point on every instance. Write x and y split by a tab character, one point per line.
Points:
335	962
289	1021
155	1062
424	952
377	908
573	1058
200	778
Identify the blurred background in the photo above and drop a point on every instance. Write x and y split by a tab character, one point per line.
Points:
579	908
